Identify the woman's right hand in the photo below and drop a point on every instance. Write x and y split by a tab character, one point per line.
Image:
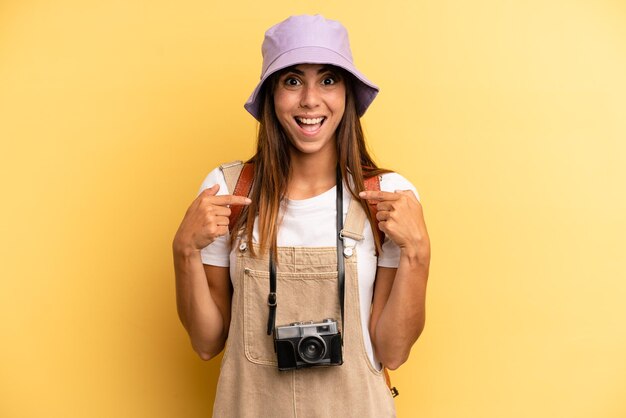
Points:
206	220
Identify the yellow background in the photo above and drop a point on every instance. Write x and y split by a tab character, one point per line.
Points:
509	117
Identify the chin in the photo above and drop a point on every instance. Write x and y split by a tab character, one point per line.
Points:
307	149
311	146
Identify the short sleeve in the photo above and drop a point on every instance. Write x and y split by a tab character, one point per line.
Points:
390	182
217	253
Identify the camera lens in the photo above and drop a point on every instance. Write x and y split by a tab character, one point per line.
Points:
312	349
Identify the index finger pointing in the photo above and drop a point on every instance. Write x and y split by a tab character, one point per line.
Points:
229	199
378	195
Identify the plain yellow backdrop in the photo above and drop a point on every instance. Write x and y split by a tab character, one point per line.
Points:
509	117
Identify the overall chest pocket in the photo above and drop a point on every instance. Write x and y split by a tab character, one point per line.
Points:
300	297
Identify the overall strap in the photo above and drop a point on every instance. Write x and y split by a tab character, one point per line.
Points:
238	177
231	173
356	217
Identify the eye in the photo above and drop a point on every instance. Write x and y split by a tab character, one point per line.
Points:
329	81
292	81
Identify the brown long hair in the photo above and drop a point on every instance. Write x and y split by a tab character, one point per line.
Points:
272	165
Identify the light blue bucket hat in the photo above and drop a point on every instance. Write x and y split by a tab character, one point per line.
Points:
309	39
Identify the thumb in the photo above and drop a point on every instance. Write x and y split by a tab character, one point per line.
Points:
212	191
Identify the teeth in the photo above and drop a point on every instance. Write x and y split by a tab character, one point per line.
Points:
310	121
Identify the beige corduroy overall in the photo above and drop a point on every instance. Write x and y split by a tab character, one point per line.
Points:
250	384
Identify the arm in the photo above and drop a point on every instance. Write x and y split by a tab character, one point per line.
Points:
398	307
203	293
398	312
203	297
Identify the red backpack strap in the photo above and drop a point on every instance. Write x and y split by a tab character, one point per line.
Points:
373	184
242	188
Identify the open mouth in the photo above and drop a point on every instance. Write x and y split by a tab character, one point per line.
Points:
310	124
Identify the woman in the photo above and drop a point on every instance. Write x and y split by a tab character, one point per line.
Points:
309	305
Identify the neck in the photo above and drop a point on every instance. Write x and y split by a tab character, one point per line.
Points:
311	175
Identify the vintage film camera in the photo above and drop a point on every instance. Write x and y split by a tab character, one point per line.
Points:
308	344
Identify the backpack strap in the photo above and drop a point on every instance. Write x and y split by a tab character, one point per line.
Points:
373	183
392	389
238	177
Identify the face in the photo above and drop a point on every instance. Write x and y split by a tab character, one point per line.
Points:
309	101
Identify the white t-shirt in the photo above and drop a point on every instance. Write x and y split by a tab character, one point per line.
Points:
295	231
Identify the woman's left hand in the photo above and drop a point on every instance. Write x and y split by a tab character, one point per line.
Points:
400	216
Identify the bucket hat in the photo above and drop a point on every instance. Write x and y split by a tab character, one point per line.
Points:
307	39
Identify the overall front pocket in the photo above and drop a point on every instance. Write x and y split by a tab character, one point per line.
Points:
300	297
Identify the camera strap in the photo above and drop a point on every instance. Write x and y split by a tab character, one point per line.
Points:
271	297
341	272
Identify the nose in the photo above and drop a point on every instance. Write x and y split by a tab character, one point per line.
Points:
310	97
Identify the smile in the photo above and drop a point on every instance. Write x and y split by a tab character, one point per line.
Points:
311	125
